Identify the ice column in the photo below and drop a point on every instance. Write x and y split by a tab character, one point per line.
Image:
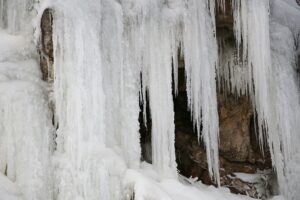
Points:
200	55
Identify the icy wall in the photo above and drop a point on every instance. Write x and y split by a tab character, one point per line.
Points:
26	138
109	56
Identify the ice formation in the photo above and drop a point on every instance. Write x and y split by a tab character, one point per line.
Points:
268	56
110	56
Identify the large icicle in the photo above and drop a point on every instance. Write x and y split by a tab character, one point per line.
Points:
121	83
156	27
256	57
200	56
85	168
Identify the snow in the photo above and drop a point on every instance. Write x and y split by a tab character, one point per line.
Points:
142	184
112	55
8	190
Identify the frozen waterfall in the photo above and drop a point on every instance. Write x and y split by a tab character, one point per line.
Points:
113	56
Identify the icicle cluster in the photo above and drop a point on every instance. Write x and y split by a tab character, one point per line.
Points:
130	51
270	82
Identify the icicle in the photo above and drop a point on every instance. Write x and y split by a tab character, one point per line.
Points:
85	168
232	74
122	83
200	55
240	24
157	77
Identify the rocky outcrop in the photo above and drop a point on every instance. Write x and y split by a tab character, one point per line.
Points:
46	46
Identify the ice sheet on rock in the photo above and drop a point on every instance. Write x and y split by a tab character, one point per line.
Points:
287	13
286	110
25	137
16	15
26	130
85	169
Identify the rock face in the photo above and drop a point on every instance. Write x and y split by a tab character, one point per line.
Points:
235	115
237	132
239	150
46	48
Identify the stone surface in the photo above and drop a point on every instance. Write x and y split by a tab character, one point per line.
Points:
46	47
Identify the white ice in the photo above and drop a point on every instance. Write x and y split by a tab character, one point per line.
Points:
108	56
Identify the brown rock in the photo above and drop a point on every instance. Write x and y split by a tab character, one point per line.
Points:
46	49
235	115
